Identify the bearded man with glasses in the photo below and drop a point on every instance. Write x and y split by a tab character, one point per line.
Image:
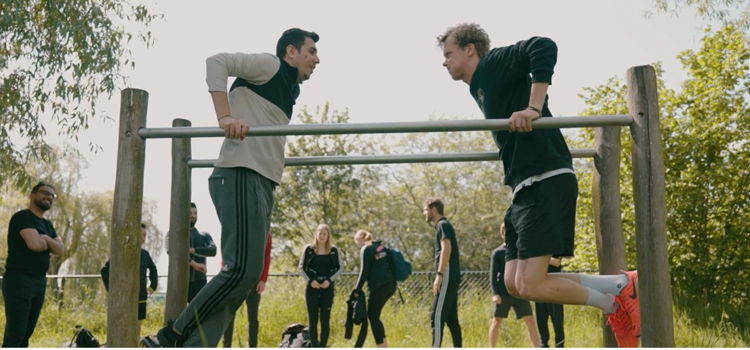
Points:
31	239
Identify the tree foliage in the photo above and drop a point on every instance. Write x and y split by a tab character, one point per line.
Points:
82	219
734	12
705	130
57	58
312	195
387	199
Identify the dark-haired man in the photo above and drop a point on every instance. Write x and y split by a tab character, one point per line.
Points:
31	239
245	175
447	275
201	246
511	83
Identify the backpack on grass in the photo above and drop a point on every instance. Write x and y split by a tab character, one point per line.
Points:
83	338
295	335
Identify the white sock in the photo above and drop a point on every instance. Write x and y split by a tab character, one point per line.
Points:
609	284
605	302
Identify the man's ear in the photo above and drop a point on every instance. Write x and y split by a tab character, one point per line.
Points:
291	51
470	49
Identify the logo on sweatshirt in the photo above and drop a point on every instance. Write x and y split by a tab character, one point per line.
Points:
480	99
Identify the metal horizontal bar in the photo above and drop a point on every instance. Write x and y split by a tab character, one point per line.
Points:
392	159
387	128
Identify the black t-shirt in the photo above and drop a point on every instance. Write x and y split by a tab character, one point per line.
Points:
444	230
501	85
20	257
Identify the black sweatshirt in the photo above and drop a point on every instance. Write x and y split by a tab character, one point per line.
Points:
204	247
375	267
501	85
315	267
146	264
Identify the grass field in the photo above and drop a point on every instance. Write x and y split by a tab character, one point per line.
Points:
407	324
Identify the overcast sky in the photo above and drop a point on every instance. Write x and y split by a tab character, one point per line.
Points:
378	60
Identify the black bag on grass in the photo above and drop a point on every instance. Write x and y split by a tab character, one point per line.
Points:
84	339
295	335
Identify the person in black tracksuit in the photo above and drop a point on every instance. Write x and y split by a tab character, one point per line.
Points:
447	275
319	265
555	312
146	264
201	246
376	270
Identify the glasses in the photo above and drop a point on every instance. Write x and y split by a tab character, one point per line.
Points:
48	194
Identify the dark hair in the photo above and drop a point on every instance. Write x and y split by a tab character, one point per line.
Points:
465	34
39	185
434	203
192	205
295	37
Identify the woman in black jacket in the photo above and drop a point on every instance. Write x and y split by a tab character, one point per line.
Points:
376	270
319	265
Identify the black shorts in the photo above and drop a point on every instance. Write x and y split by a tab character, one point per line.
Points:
521	307
142	310
541	219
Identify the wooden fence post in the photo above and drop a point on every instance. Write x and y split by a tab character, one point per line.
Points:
607	215
124	247
179	227
657	329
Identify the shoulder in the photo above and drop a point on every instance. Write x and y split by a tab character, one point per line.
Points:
334	250
21	215
496	54
445	225
366	248
23	219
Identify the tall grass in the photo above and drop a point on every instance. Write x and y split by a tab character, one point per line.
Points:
407	324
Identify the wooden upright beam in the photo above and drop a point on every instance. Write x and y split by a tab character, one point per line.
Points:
179	226
124	247
657	329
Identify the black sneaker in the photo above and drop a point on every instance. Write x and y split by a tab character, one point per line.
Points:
167	337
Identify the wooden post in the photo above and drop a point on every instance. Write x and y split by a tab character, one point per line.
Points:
179	226
610	244
124	247
657	329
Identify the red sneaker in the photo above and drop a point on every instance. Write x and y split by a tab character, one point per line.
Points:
630	300
622	328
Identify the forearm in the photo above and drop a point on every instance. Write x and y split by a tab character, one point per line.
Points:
221	103
206	251
361	279
538	94
54	245
303	266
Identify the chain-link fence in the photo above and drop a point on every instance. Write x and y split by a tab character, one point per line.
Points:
418	287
